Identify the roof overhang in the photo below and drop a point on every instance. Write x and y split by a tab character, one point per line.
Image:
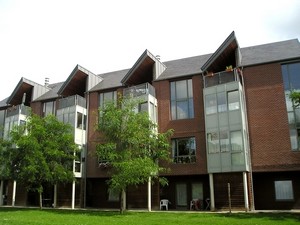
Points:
24	89
227	54
142	70
77	82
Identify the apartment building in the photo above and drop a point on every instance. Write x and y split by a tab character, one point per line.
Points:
236	131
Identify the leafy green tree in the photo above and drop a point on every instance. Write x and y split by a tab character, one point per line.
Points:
42	152
295	97
131	145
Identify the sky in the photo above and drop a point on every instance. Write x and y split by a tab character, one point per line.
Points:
48	38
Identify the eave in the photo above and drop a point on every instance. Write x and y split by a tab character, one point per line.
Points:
227	54
77	82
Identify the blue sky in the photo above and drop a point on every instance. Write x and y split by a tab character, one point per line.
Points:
48	38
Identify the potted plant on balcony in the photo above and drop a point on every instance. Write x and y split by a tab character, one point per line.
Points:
229	68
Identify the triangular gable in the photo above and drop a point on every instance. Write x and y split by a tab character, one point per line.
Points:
227	54
26	91
79	81
146	69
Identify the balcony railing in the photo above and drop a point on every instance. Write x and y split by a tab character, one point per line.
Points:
139	90
71	101
19	109
223	77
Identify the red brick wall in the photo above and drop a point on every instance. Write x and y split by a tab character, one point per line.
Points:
185	127
267	118
93	169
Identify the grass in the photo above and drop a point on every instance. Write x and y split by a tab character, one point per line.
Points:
17	216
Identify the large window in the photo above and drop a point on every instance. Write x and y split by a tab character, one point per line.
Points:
210	104
284	190
182	106
49	108
107	97
217	103
81	121
184	150
218	141
233	100
291	79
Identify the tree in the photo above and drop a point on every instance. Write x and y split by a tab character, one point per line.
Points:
295	97
41	151
131	145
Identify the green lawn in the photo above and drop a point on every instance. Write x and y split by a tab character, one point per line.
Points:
18	216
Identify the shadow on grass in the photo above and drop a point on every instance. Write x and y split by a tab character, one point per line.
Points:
87	212
272	216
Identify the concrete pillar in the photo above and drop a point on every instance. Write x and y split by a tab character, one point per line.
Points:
73	195
124	199
212	193
14	193
246	198
149	194
55	196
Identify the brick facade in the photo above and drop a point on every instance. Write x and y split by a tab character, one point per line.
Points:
267	119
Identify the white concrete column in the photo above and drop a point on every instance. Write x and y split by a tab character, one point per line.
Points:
246	198
212	193
149	194
73	195
55	196
1	192
124	199
14	193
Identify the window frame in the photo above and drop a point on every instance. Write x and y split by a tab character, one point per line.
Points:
102	99
187	158
186	100
288	76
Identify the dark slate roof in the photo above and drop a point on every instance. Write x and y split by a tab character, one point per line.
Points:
183	67
3	103
52	93
110	80
260	54
278	51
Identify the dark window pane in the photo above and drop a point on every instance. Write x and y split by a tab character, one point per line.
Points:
294	75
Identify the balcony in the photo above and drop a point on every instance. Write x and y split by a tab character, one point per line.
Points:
223	77
71	101
18	110
139	90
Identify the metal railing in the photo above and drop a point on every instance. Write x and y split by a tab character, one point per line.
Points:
139	90
223	77
18	109
71	101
